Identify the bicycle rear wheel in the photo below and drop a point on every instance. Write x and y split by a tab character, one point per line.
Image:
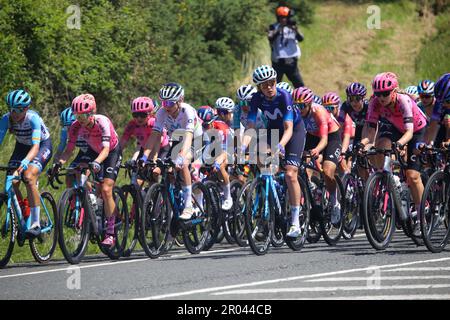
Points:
352	202
332	233
435	209
43	247
73	225
259	227
8	231
200	226
239	212
134	202
379	211
216	221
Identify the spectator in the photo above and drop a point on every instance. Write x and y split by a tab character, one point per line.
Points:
284	37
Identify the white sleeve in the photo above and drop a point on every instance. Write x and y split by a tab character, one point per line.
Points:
161	117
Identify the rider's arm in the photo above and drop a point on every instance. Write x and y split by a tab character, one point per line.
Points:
187	143
432	131
322	121
73	136
102	155
287	134
371	124
152	145
4	125
408	122
63	136
127	134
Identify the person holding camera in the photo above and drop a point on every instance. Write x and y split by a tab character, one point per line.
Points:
284	37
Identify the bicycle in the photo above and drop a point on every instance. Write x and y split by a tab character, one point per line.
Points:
435	205
163	204
83	218
14	225
386	200
266	211
317	191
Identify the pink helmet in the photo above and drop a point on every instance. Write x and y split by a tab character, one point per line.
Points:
303	95
142	104
84	103
331	98
386	81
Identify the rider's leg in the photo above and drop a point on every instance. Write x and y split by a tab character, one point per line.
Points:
31	176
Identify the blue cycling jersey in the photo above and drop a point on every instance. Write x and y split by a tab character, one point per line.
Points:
277	111
30	131
439	112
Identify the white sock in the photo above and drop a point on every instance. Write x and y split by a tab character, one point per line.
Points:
295	213
35	215
187	196
227	192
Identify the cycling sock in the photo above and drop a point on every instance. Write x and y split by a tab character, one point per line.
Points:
110	225
227	192
295	212
35	212
187	196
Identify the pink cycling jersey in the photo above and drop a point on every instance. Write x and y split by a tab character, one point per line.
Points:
405	116
142	133
349	127
319	122
101	135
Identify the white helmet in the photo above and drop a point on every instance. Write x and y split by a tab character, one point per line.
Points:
225	103
245	93
286	86
171	92
263	74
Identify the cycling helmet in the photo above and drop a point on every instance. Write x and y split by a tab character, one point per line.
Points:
206	113
263	74
356	89
84	103
142	104
426	87
386	81
303	95
225	104
282	12
286	86
245	93
317	99
171	92
67	117
331	98
412	90
442	88
18	99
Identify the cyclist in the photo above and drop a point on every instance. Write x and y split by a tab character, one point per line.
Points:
441	110
220	124
402	123
426	97
240	117
322	137
104	154
32	152
141	127
412	92
179	118
276	105
66	119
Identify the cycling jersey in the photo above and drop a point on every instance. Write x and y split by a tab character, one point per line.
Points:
186	119
277	111
359	118
428	111
63	138
319	122
30	131
439	112
225	132
101	135
241	118
349	127
405	116
142	133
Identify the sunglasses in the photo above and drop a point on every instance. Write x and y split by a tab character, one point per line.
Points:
355	98
140	115
83	116
17	110
382	94
300	106
330	108
168	104
425	96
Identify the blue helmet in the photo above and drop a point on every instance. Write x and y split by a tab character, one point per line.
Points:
206	113
67	117
426	87
442	88
18	99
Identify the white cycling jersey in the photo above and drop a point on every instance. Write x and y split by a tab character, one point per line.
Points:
31	130
187	119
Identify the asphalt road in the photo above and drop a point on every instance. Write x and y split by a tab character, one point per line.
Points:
351	271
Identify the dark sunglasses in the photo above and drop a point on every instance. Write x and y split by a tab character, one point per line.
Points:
168	104
140	115
330	108
17	110
355	98
425	96
382	94
300	106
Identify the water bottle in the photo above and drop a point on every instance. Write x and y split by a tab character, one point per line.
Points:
93	198
405	200
397	183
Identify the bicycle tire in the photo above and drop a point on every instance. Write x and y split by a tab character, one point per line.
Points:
216	222
428	219
50	240
314	230
352	206
135	214
66	216
7	233
377	242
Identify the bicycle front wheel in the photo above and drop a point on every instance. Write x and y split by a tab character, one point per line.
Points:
352	200
332	232
134	202
7	232
43	247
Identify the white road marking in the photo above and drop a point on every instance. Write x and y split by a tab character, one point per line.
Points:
258	283
110	263
332	289
382	278
381	297
419	269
